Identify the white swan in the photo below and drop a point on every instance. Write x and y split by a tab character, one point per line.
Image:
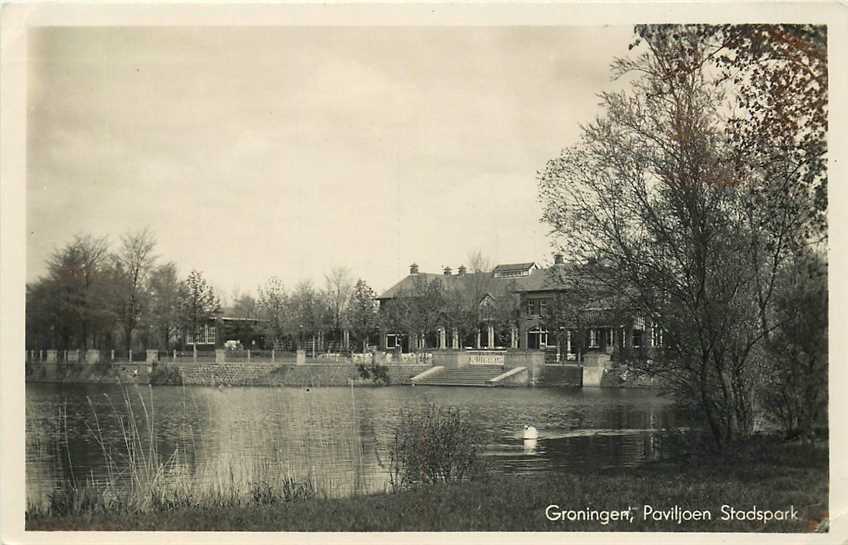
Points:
530	433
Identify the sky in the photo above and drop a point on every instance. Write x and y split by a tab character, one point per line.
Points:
286	151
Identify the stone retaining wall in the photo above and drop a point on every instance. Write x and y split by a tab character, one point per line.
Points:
118	373
289	374
214	374
561	375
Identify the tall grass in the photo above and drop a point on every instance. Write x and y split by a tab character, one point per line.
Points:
268	457
138	478
439	445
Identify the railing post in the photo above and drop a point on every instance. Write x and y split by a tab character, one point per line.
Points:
273	355
248	355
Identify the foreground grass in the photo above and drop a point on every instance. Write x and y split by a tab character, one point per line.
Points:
771	476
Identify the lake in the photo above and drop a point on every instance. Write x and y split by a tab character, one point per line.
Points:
339	436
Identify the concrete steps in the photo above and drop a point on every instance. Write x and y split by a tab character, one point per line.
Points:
476	375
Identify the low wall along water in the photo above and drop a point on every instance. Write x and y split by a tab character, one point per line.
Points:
215	374
301	371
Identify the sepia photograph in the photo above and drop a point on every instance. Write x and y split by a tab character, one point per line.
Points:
422	277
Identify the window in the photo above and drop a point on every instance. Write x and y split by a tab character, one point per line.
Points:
210	335
534	307
593	338
543	307
637	338
539	334
609	340
391	341
656	336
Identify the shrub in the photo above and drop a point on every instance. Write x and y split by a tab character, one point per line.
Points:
437	446
379	374
166	374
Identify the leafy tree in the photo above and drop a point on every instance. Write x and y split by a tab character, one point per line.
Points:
363	316
197	304
76	275
795	388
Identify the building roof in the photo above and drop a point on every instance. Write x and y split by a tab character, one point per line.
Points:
550	279
554	278
513	268
484	282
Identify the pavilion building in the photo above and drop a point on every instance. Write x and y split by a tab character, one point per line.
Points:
559	309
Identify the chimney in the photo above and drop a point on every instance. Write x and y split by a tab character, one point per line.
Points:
448	271
461	270
413	269
557	259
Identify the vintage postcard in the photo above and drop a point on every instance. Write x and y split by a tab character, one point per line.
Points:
422	272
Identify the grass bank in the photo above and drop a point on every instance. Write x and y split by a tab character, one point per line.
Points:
769	474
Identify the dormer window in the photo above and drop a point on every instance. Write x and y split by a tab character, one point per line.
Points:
515	270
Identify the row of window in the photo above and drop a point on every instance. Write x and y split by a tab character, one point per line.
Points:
205	336
607	335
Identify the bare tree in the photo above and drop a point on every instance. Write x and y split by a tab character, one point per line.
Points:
133	263
276	308
339	287
163	311
651	191
478	262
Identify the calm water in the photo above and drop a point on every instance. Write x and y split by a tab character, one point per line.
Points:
329	432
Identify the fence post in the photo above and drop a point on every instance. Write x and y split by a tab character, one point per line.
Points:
248	355
130	355
273	356
174	357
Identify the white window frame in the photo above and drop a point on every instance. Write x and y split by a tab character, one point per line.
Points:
656	336
593	338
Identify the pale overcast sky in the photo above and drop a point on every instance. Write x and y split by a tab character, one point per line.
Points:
253	152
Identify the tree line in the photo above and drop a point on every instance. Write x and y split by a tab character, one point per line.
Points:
97	296
703	185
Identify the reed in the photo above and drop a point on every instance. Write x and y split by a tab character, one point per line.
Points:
138	478
438	445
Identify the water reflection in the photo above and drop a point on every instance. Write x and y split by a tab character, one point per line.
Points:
339	436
